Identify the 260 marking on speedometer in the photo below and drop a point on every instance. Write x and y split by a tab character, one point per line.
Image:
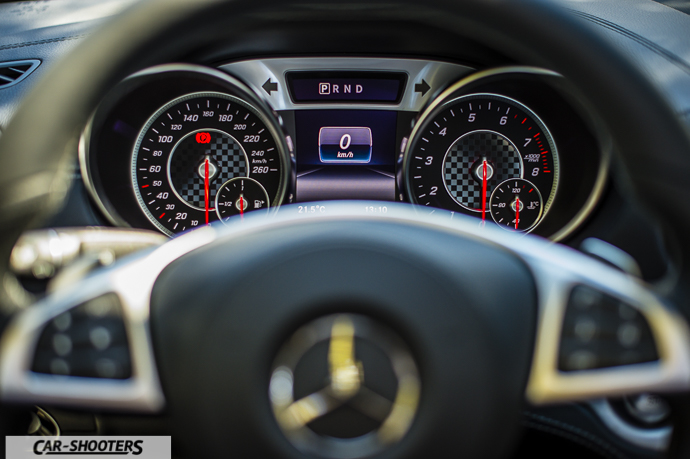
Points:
194	145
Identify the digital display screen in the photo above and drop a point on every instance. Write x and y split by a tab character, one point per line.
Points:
381	87
345	154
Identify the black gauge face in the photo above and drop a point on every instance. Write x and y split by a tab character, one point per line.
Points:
194	145
516	205
463	150
240	195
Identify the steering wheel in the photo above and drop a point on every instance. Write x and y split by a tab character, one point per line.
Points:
273	336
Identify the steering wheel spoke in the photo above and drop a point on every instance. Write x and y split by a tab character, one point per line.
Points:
602	333
90	345
591	331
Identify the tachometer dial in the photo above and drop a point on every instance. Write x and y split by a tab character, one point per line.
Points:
191	147
516	205
462	149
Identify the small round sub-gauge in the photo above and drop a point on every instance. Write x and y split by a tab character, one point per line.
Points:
240	195
516	205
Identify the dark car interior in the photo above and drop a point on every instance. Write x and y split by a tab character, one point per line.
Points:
344	229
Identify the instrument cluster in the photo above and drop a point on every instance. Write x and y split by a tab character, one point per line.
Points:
179	146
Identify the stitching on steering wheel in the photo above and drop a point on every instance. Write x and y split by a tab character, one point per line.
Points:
40	42
635	37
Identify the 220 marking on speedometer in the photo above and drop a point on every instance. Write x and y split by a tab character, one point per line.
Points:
194	145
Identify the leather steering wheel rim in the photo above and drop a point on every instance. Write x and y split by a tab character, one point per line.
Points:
34	168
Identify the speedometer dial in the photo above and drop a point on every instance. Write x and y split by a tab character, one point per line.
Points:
461	151
191	147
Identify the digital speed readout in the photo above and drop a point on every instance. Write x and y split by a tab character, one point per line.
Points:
192	148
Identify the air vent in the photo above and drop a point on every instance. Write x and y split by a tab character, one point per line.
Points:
13	72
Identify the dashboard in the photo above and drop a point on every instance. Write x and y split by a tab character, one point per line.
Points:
397	114
178	146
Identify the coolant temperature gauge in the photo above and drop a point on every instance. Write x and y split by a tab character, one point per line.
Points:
240	195
516	205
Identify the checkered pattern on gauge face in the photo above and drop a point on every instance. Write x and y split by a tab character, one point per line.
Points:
223	151
466	154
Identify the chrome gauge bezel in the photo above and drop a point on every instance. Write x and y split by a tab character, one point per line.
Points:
534	116
455	92
219	82
284	173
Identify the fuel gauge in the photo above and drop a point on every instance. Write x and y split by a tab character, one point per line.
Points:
516	205
240	195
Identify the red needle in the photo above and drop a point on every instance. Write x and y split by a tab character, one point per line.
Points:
206	187
517	212
241	206
484	191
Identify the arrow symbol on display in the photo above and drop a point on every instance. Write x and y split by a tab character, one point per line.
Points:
270	86
422	87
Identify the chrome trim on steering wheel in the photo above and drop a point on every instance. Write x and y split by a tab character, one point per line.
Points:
556	270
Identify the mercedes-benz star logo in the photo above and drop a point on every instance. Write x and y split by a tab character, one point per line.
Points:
344	387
